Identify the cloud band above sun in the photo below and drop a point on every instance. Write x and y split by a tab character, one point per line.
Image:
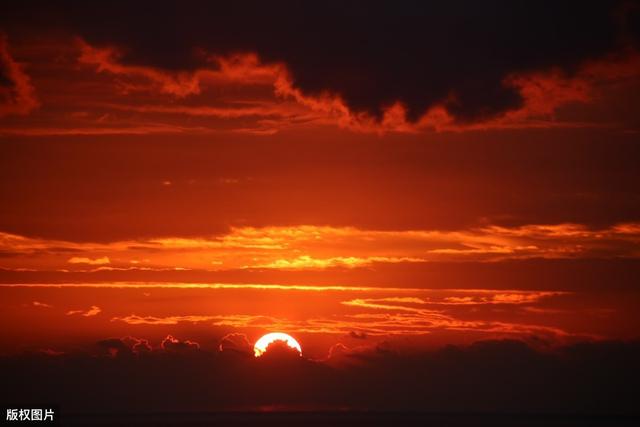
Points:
312	247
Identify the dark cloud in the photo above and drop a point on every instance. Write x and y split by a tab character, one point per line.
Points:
340	354
17	95
237	343
141	347
170	343
496	376
114	347
373	54
137	345
5	80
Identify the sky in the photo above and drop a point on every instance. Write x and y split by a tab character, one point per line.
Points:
410	190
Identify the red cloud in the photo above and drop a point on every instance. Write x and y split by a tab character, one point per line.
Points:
93	311
107	59
244	68
283	105
543	93
17	94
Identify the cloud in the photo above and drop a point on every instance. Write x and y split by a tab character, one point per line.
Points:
544	93
17	94
231	112
341	356
102	130
428	88
239	69
41	304
137	345
460	297
468	75
308	247
308	262
390	316
93	311
179	84
114	347
83	260
237	343
167	320
540	94
123	347
164	92
170	343
413	313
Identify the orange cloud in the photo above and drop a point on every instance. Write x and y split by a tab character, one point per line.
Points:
308	262
338	312
322	247
417	312
396	319
84	260
479	297
93	311
170	285
41	304
169	320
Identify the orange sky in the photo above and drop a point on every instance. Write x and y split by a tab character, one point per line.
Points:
420	231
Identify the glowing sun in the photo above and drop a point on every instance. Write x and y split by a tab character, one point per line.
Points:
261	345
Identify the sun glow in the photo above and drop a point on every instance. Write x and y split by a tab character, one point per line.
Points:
261	345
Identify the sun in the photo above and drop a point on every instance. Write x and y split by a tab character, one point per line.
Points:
261	345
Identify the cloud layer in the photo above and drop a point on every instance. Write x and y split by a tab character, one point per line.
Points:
369	68
319	248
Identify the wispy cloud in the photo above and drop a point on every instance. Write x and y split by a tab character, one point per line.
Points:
322	247
94	310
84	260
414	312
41	304
372	319
17	94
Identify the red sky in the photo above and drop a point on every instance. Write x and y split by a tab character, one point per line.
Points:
251	189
